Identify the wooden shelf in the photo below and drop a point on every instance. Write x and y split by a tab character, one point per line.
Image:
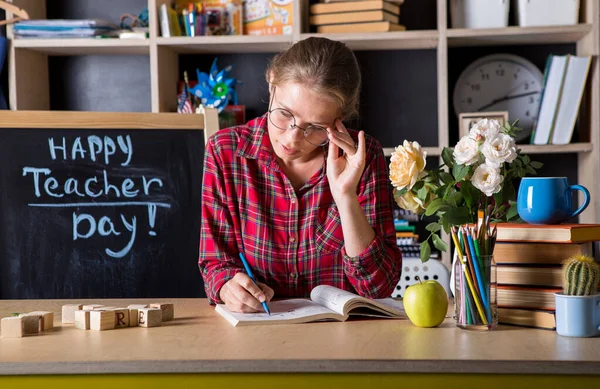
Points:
517	35
85	46
431	151
227	44
557	149
398	40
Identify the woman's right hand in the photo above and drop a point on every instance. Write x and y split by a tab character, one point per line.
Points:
241	294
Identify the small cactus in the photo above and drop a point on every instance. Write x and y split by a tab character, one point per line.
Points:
581	276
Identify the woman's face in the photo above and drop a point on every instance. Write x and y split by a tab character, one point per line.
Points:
310	110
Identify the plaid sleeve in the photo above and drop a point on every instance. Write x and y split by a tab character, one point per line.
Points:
218	250
376	271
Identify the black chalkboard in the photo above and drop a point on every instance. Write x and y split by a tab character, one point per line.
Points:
99	213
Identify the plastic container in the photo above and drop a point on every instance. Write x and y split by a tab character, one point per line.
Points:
531	13
479	13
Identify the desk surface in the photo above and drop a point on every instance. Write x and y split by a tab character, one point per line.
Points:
199	340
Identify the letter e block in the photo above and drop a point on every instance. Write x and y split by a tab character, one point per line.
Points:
68	313
149	317
12	327
102	320
82	319
168	312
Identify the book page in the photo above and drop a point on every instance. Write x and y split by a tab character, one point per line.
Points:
293	311
343	302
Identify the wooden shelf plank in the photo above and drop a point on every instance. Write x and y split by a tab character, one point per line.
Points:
525	149
227	44
397	40
85	46
556	149
431	151
517	35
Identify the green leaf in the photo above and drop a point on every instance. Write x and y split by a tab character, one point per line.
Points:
448	157
418	185
460	172
536	165
400	192
512	211
433	227
422	193
425	251
469	193
439	243
517	162
446	178
436	205
526	160
454	199
457	216
530	170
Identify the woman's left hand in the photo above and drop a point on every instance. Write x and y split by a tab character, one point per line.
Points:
344	172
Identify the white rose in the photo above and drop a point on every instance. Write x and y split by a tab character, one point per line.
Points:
411	202
466	151
499	149
484	129
406	165
487	179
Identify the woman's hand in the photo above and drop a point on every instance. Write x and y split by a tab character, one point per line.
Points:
240	294
344	172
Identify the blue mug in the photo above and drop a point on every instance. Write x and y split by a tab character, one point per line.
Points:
577	316
548	200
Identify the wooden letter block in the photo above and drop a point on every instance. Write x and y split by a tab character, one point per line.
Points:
133	317
82	319
68	313
31	323
46	319
137	306
102	320
92	307
149	317
168	312
121	317
12	327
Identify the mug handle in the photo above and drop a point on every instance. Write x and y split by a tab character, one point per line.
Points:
586	201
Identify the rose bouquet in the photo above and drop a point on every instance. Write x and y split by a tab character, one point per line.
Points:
475	177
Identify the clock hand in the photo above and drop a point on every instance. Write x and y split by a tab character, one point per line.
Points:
496	101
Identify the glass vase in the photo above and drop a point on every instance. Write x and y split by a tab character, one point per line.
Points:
475	295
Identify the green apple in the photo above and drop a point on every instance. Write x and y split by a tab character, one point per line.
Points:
426	303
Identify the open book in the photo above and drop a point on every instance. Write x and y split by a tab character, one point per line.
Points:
325	303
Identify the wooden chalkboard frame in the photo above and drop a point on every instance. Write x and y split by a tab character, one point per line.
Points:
209	121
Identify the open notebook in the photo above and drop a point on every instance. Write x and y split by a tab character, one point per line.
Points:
325	303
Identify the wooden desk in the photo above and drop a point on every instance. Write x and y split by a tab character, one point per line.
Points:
200	341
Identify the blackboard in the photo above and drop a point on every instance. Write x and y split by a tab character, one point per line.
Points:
100	212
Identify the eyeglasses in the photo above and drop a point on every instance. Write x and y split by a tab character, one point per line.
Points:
285	120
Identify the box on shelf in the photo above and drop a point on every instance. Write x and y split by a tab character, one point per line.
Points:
268	17
531	13
479	13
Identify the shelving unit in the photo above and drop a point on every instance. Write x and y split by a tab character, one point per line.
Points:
29	76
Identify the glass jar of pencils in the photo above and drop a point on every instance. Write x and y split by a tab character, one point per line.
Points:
475	303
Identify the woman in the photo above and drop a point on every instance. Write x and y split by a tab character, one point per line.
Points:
304	199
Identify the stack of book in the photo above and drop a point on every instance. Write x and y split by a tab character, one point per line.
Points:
529	263
342	16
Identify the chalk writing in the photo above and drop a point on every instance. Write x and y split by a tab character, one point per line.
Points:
96	190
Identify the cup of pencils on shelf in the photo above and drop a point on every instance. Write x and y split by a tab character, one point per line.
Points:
464	197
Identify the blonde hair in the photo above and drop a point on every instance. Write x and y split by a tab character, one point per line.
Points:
329	67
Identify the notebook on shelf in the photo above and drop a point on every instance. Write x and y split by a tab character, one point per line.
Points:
557	233
326	303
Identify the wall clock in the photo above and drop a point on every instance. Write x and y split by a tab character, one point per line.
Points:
501	82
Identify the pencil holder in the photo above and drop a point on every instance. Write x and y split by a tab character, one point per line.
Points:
475	303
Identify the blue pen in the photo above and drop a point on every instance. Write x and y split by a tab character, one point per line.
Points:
249	271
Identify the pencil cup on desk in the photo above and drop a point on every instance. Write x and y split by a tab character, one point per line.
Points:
475	303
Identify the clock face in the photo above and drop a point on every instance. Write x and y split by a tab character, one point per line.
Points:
501	82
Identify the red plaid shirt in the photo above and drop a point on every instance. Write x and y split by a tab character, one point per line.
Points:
292	241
